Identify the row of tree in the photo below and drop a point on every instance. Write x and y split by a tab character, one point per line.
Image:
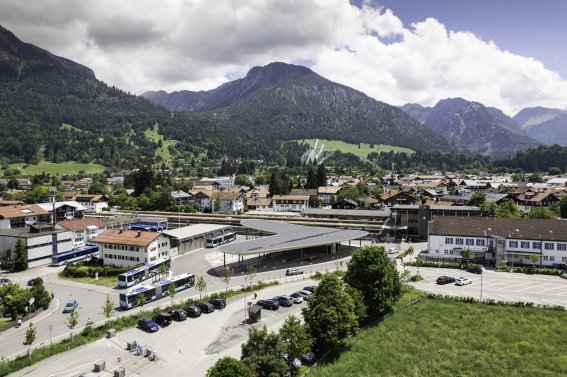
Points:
334	312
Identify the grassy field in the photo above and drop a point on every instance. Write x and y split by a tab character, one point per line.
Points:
66	126
362	152
61	168
448	338
164	150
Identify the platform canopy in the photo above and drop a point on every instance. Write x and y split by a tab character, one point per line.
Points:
288	237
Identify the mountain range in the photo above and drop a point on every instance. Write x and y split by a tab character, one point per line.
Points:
289	102
55	109
481	129
545	124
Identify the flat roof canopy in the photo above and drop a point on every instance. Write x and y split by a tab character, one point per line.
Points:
194	230
288	237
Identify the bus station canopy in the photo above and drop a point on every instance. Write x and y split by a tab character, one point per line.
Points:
287	237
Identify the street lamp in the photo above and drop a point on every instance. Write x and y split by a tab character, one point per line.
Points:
50	339
481	273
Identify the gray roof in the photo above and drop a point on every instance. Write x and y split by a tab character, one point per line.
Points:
347	212
194	230
433	208
527	229
287	237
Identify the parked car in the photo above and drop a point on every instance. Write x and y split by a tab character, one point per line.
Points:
475	269
148	325
310	288
218	303
206	307
463	281
296	299
445	280
563	275
293	362
268	304
193	311
392	251
293	271
70	306
163	319
309	357
283	300
179	315
4	281
303	294
299	295
32	282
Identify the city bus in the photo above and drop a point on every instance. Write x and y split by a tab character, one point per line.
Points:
75	255
140	274
221	239
156	291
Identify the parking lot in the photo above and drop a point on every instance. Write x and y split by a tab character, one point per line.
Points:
190	346
504	286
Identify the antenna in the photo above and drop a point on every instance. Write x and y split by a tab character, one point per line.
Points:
52	195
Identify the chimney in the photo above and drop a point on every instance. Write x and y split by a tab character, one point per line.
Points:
139	233
120	231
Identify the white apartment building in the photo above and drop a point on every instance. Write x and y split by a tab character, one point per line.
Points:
127	248
495	240
290	203
83	230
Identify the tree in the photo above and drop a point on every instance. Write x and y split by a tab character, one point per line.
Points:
311	181
321	176
418	263
72	320
535	178
241	180
250	274
477	199
489	209
295	337
108	307
226	279
359	307
466	253
141	300
371	271
31	335
541	213
20	256
263	353
563	207
171	291
217	204
508	210
201	285
534	258
40	294
229	367
14	298
554	171
330	314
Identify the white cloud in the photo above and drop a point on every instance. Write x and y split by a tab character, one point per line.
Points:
141	45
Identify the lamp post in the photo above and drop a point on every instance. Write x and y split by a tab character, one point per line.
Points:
50	339
481	273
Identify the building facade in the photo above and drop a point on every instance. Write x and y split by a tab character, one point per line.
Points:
128	248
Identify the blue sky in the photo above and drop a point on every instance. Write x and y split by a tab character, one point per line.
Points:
530	28
507	54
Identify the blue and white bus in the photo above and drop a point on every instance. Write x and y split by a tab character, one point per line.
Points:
156	291
221	239
140	274
75	255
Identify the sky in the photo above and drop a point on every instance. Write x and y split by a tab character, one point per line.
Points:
507	54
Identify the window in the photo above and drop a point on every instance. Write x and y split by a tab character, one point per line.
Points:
458	241
479	242
562	246
525	245
513	244
470	242
548	245
545	257
536	245
449	240
552	258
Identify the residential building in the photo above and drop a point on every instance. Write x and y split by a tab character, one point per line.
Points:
181	197
528	200
494	240
217	182
65	210
259	203
345	203
393	197
83	230
231	202
127	248
328	194
290	203
93	203
21	216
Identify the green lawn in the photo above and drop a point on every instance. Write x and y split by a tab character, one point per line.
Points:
66	126
362	152
105	281
164	152
61	168
449	338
